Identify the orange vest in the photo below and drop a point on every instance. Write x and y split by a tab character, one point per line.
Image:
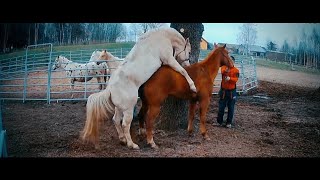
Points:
233	73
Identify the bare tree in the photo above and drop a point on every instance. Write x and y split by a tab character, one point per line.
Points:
147	26
315	39
304	46
286	48
36	30
247	36
271	45
144	27
123	34
174	112
135	30
4	35
155	25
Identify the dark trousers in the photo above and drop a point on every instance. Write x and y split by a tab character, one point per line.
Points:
227	98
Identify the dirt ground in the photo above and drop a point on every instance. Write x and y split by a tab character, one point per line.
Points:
274	120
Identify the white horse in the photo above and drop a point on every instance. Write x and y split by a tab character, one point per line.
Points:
82	72
112	61
95	58
156	47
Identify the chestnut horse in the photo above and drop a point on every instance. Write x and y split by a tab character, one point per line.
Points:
166	81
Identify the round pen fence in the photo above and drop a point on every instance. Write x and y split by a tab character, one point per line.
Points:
31	77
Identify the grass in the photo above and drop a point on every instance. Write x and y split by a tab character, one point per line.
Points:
285	66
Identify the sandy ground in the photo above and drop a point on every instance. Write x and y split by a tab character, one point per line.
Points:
288	77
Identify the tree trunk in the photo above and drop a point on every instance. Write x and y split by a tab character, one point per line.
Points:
5	36
36	29
29	38
174	112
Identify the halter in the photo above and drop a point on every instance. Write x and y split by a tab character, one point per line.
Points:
185	46
225	56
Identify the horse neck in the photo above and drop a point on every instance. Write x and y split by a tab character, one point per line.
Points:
212	64
112	61
178	43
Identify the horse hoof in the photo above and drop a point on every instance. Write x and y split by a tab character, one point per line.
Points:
206	138
194	89
135	146
97	147
154	146
142	132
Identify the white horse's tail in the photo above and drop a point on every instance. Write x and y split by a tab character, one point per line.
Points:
99	108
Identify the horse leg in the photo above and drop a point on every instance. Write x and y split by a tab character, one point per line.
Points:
105	78
141	118
126	124
176	66
192	109
152	113
117	122
204	104
72	87
99	82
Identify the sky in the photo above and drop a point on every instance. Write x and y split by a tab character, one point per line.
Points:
276	32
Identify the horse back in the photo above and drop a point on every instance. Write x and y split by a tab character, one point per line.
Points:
166	81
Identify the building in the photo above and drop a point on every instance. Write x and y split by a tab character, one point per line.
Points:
253	50
232	48
204	44
279	56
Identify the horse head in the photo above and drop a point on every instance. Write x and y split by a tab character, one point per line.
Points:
182	54
57	63
104	55
224	57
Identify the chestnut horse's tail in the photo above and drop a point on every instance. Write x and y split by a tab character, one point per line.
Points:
99	108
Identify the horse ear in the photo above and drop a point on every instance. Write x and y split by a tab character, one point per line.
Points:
224	46
215	45
187	40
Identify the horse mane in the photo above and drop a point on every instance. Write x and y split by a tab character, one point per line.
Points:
208	56
111	57
164	30
211	54
63	58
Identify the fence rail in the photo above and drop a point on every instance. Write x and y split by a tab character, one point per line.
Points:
30	77
3	137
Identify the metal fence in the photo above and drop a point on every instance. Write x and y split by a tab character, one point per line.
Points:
247	77
30	77
3	137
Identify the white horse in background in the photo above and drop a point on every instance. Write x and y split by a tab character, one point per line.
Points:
156	47
82	72
112	61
